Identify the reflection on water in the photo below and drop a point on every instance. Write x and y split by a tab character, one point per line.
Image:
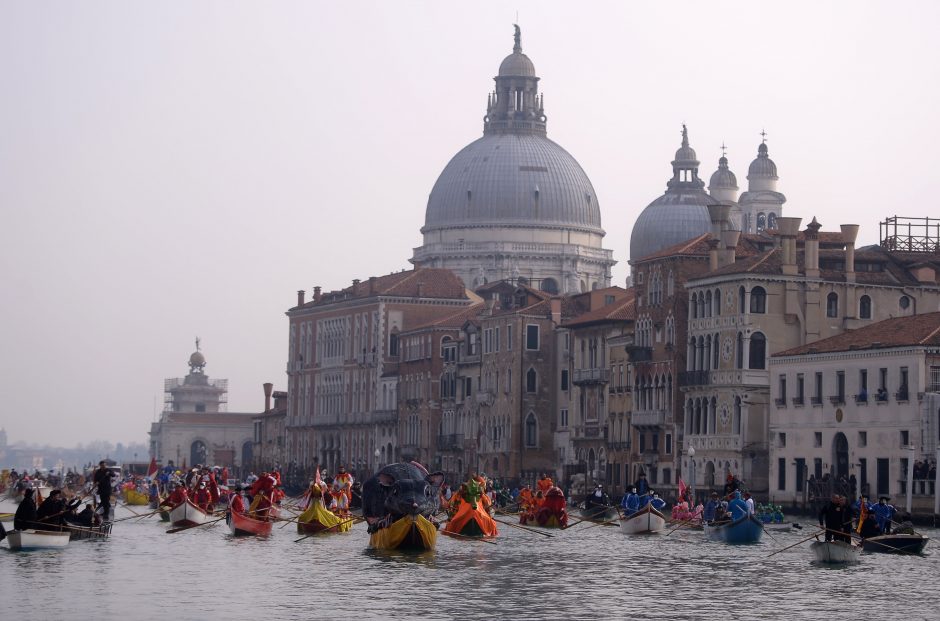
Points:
580	573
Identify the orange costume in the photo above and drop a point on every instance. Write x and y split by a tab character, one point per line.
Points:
470	520
342	483
545	483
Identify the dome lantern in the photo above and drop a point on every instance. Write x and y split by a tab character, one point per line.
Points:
515	106
723	184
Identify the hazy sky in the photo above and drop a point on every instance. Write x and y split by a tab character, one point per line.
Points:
169	170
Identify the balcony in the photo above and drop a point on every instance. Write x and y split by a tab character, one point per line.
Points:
408	451
484	397
861	399
902	395
640	354
618	446
694	378
781	402
837	400
450	442
468	359
384	416
816	400
653	418
798	402
591	376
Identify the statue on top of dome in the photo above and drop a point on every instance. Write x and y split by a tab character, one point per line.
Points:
517	37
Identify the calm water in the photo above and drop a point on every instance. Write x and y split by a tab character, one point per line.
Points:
581	573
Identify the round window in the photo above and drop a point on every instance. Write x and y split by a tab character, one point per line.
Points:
905	302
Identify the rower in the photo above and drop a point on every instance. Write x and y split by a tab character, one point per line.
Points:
631	502
884	513
237	502
711	508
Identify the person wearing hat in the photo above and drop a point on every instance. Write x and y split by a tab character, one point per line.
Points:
630	502
342	484
711	507
884	513
202	498
102	480
25	516
237	502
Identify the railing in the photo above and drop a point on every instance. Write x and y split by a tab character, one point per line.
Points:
591	376
652	418
450	442
861	399
694	378
815	400
837	400
384	416
781	402
798	401
902	395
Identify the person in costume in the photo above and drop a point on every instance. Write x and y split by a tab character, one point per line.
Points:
202	498
630	502
178	495
25	516
711	507
868	527
837	519
544	483
737	506
884	513
862	508
237	501
342	483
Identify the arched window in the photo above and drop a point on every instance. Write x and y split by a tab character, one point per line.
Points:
864	307
771	220
247	454
708	353
549	285
761	222
701	305
717	300
715	352
736	417
904	303
742	297
689	409
758	300
832	305
198	453
758	351
697	429
708	303
531	431
712	410
531	380
671	284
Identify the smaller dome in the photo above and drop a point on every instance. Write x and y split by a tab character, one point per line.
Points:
517	64
197	359
723	177
762	166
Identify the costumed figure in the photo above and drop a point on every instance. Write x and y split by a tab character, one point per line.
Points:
25	516
552	512
544	484
630	503
203	499
737	506
884	513
862	508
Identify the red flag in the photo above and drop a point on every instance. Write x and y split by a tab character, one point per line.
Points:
152	469
683	488
317	479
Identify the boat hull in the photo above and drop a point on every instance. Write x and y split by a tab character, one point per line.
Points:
835	552
37	539
896	544
135	498
470	522
80	533
187	514
645	521
243	526
743	530
318	519
599	514
406	533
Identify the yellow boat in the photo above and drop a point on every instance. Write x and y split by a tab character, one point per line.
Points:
406	533
133	497
317	519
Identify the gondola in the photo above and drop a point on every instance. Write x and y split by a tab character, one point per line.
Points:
318	519
470	521
746	529
243	525
31	539
81	533
187	514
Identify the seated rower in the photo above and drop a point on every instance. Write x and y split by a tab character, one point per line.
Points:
202	498
178	495
630	502
237	501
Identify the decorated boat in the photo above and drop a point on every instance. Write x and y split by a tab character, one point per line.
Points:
133	497
31	539
645	521
187	514
551	513
746	529
411	532
318	519
835	552
244	525
471	520
896	544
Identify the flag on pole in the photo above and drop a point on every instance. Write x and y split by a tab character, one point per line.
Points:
152	469
683	488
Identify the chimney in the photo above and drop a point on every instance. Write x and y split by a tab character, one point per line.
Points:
555	305
849	234
713	244
372	280
300	297
268	387
729	239
356	282
788	228
812	249
420	289
719	216
488	305
316	294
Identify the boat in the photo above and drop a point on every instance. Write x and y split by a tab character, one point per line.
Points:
187	514
471	521
896	544
164	516
746	529
835	552
245	525
317	519
80	533
551	513
410	532
646	520
599	513
133	497
31	539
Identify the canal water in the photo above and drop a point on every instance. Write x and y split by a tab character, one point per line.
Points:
584	572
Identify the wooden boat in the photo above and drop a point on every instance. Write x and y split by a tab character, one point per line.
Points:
895	544
835	552
471	522
31	539
647	520
244	525
747	529
317	519
599	513
80	533
411	532
187	514
133	497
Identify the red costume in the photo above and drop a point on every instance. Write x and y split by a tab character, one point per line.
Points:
176	497
237	504
203	499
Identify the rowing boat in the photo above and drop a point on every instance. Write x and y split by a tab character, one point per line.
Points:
187	514
471	521
31	539
244	525
317	518
646	520
410	532
896	544
835	552
80	533
133	497
746	529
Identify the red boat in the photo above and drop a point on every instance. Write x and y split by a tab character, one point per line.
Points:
243	525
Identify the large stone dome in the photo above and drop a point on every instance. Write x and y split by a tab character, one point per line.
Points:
513	180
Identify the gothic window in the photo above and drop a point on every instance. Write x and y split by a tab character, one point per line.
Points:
832	305
549	285
717	300
708	303
758	300
671	284
739	360
531	380
531	431
758	351
864	307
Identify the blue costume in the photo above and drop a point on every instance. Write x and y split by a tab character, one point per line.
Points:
884	513
737	507
658	503
710	507
630	503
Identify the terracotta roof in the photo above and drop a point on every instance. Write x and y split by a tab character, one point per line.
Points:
623	309
748	245
895	332
453	320
433	282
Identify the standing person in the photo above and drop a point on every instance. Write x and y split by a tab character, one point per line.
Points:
749	502
25	516
837	519
884	513
103	483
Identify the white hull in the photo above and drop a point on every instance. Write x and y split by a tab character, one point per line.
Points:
36	539
835	552
187	514
645	521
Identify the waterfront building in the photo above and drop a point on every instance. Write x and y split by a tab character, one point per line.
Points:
269	439
195	426
862	406
513	204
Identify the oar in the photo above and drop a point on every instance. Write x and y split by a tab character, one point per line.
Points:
126	506
768	533
681	524
816	534
137	517
593	513
899	550
182	528
480	539
526	528
607	523
329	529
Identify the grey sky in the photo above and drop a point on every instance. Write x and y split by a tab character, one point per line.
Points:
170	170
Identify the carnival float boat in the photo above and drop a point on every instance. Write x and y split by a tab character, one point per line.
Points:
470	521
747	529
318	519
835	552
895	544
31	539
135	498
552	512
411	532
187	514
242	525
647	520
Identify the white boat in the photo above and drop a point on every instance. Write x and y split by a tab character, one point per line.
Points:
36	539
646	520
835	552
187	514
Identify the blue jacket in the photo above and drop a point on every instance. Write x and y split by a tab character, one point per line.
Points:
630	503
710	507
883	515
737	507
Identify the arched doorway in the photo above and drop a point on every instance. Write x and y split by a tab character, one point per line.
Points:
710	475
197	453
840	455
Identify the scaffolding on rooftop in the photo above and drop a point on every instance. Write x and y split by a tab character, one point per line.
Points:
905	234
